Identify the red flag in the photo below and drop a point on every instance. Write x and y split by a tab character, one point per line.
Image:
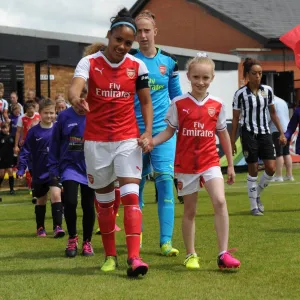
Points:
292	40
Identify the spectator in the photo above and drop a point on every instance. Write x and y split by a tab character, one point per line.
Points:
3	106
14	100
282	152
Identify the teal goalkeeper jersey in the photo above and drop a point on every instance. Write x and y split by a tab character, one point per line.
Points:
164	86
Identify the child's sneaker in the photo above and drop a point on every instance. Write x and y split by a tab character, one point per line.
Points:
227	261
71	249
192	262
87	249
58	232
136	267
41	232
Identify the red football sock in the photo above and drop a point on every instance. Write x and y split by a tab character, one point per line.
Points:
132	219
28	179
106	220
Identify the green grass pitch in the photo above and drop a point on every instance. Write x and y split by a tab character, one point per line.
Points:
268	247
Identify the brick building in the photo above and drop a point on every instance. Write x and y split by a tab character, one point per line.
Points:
244	28
25	55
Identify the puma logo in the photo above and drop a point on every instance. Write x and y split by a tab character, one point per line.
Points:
186	110
97	69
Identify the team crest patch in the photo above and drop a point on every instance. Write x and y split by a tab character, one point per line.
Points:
211	111
180	185
246	154
162	69
91	178
131	73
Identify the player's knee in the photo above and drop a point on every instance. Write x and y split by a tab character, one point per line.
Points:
219	204
164	185
189	213
55	194
41	200
132	219
270	170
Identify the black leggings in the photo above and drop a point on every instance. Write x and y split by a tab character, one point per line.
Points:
87	204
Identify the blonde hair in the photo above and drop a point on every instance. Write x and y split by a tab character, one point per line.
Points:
93	48
146	14
60	100
200	60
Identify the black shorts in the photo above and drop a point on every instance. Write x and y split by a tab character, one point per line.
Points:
280	149
40	189
257	146
6	165
7	161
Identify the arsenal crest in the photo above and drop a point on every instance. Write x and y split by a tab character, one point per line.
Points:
91	178
162	69
131	73
180	185
211	111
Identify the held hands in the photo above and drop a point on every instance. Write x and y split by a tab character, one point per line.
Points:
282	139
146	142
16	150
230	175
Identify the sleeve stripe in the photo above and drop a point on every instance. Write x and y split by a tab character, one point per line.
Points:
222	129
167	121
80	76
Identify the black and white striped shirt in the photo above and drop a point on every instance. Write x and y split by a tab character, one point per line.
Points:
254	108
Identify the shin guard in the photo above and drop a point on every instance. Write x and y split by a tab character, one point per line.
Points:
106	220
132	218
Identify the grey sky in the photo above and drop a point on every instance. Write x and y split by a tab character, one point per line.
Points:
85	17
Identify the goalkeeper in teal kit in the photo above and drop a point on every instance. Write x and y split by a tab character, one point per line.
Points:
164	86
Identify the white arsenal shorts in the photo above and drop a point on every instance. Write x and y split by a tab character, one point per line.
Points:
190	183
105	161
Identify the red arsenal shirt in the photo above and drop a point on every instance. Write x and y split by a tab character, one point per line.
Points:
197	123
111	90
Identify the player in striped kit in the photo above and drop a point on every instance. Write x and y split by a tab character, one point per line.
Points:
250	105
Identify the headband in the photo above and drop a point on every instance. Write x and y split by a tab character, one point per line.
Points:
123	23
